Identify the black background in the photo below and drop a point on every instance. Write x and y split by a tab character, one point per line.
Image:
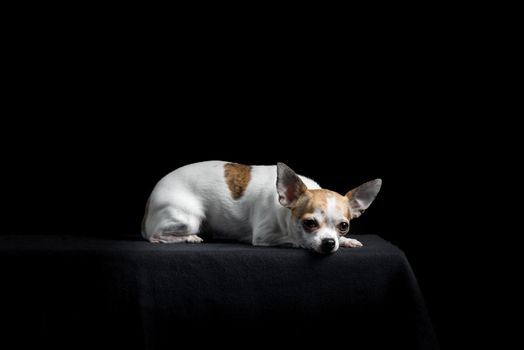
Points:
97	120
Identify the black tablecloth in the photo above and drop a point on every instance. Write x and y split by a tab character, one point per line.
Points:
84	292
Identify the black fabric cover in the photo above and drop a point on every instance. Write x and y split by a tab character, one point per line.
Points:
85	292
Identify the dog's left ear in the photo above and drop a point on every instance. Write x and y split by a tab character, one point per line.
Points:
361	197
289	185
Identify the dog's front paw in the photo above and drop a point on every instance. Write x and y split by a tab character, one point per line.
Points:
349	243
193	239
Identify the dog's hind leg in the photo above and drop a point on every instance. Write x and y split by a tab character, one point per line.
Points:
175	239
176	226
175	233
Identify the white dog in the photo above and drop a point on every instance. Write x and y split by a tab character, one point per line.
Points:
261	205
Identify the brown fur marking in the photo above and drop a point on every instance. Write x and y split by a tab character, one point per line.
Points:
349	196
237	178
313	199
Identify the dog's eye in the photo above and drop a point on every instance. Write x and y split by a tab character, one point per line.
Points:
310	224
343	226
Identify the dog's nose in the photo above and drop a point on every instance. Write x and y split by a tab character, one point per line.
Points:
327	245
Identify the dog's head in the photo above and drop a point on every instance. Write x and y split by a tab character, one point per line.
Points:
320	217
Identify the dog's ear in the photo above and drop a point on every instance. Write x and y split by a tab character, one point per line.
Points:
361	197
289	185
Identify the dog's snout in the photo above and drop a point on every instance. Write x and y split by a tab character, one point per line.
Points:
327	245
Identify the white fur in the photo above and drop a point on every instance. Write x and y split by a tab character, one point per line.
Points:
197	193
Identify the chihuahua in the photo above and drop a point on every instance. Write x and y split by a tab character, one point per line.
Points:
260	205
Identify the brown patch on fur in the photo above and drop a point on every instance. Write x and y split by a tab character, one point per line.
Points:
303	205
309	202
237	178
145	217
314	199
348	209
349	196
349	214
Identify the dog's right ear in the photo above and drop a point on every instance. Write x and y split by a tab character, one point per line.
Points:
289	185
